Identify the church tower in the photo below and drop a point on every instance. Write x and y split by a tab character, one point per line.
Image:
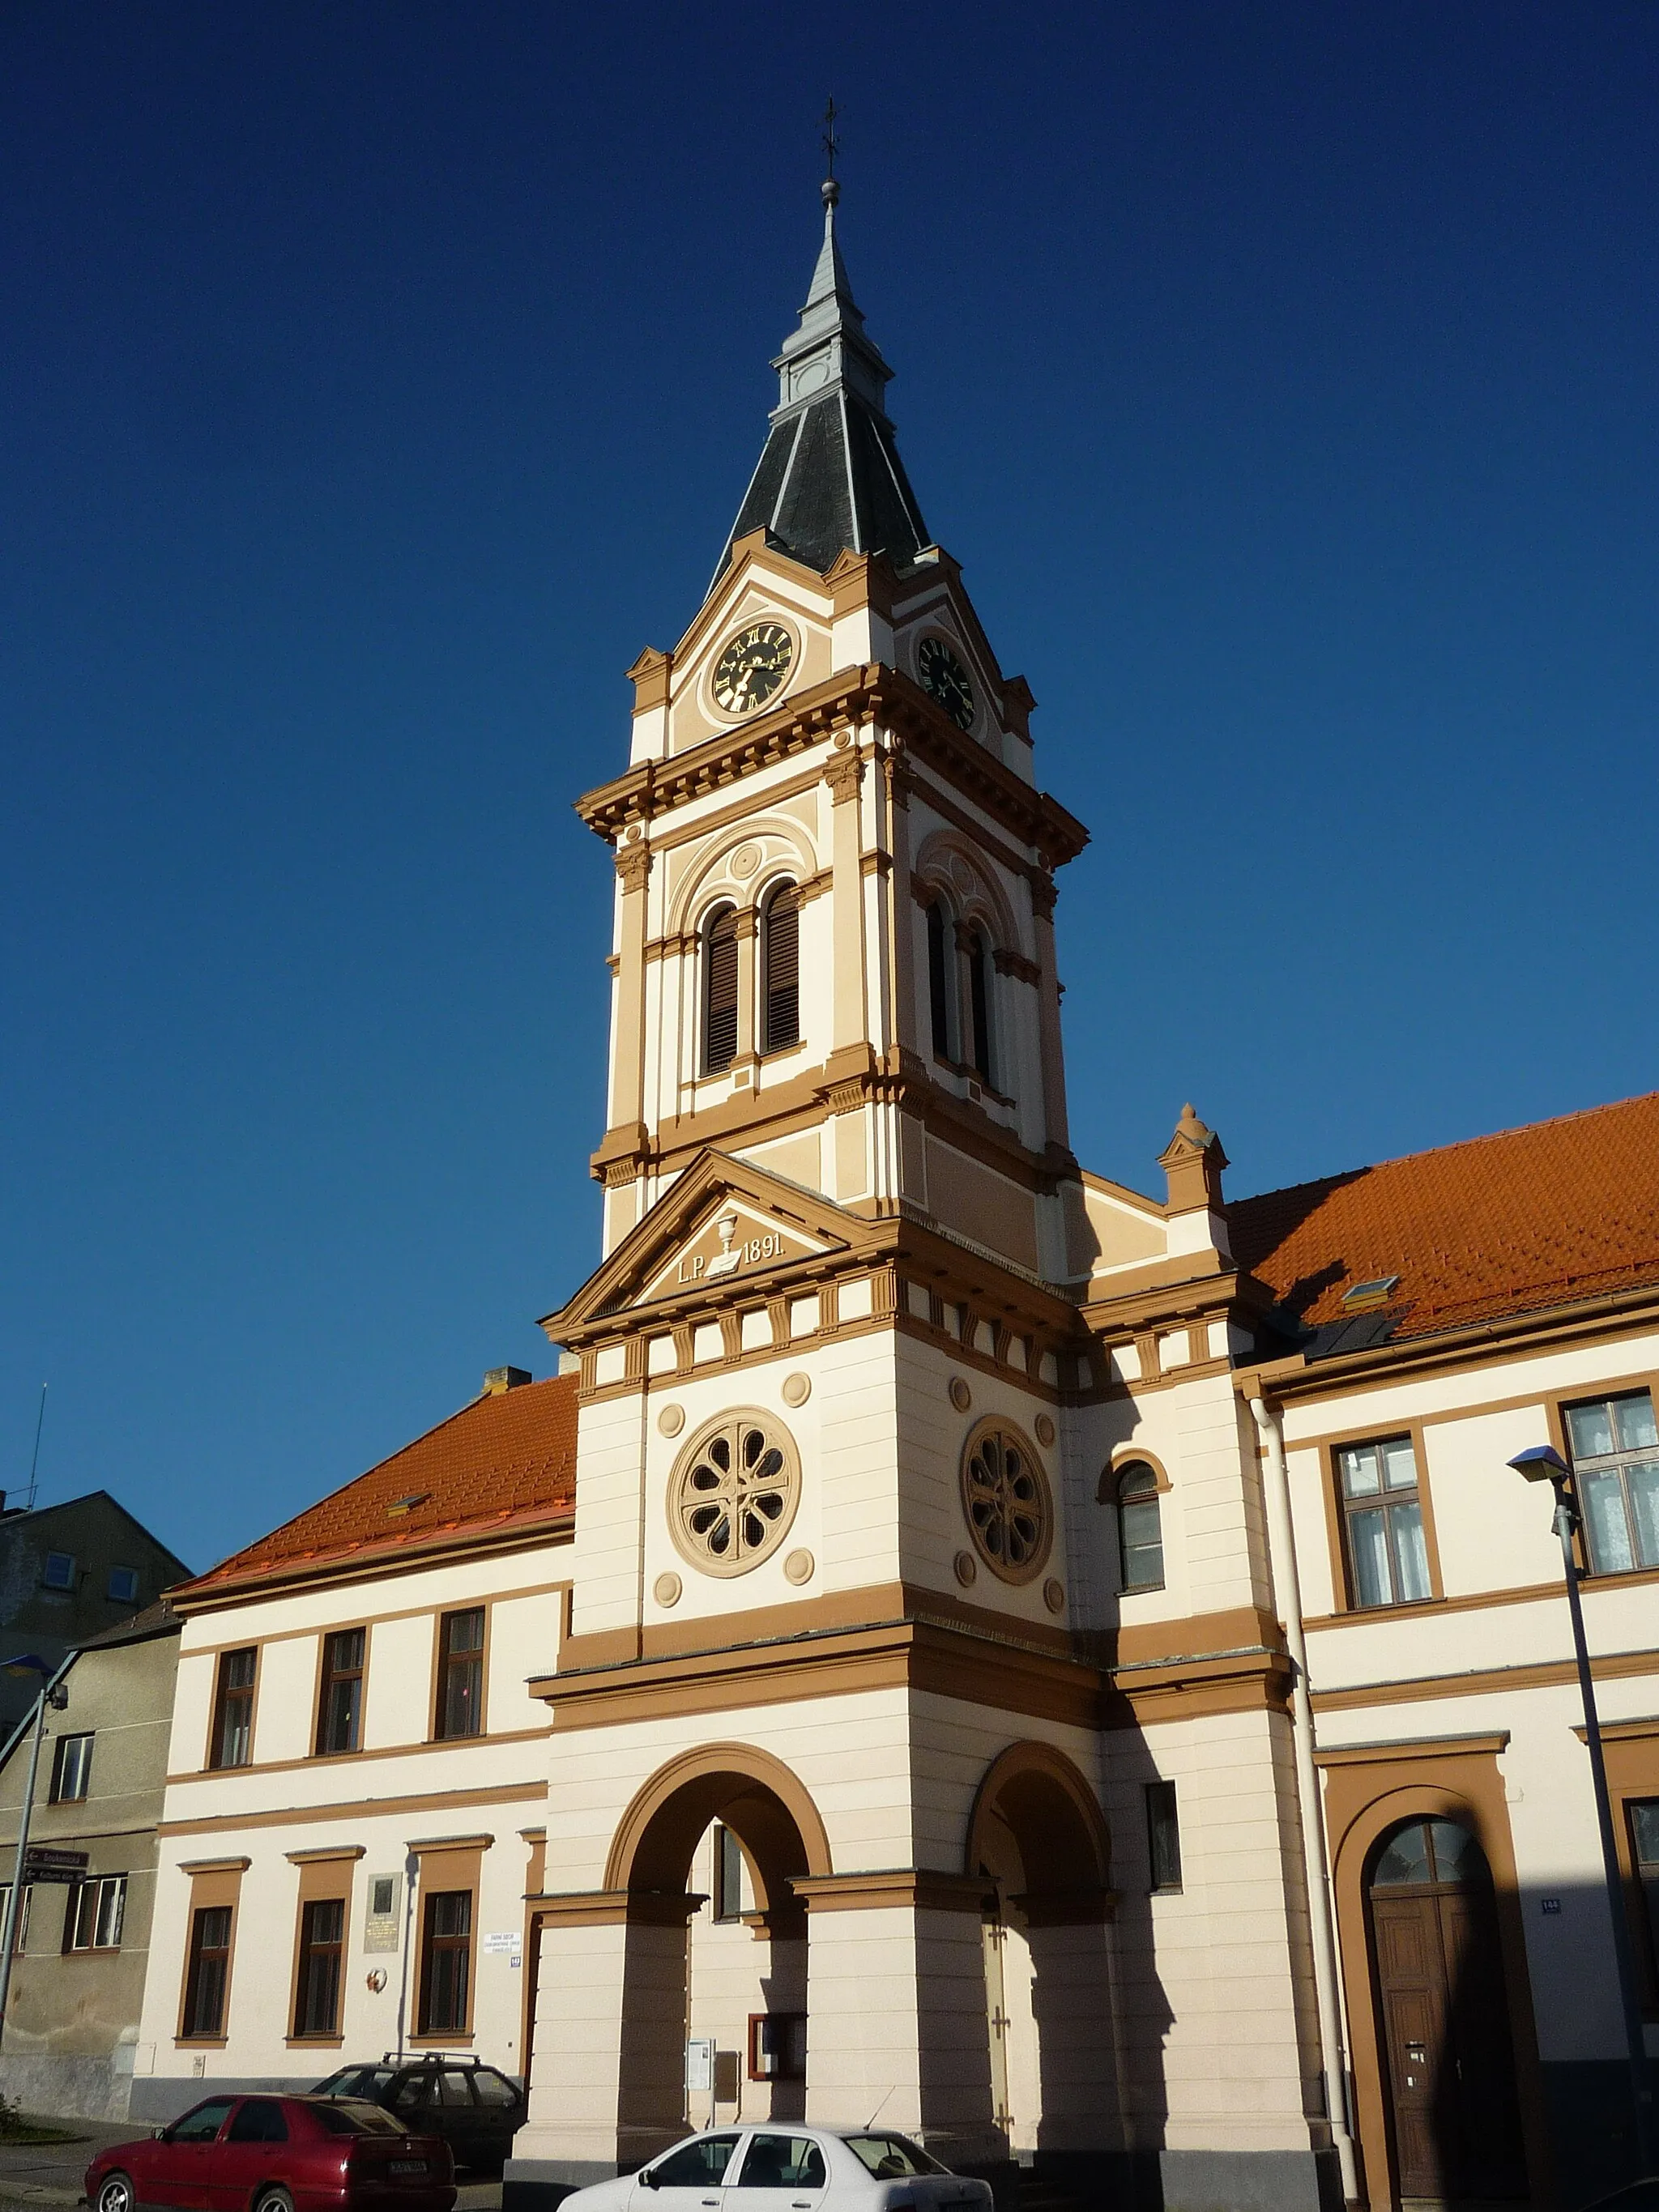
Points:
834	951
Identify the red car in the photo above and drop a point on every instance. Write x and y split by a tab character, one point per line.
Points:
277	2154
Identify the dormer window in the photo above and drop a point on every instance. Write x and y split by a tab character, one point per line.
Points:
720	989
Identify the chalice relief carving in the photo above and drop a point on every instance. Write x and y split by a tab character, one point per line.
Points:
725	1259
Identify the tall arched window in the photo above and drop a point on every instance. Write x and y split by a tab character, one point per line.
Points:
1140	1527
978	1000
941	948
781	966
719	990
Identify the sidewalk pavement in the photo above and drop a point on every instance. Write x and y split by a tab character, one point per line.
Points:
49	2175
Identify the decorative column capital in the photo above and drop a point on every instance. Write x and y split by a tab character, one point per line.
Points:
633	865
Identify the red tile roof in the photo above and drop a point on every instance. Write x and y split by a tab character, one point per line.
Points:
503	1465
1532	1218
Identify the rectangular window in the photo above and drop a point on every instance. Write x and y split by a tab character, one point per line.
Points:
21	1937
72	1768
232	1709
1614	1448
123	1585
340	1708
446	1962
461	1673
777	2046
322	1943
93	1917
1382	1523
208	1972
1644	1854
58	1573
1164	1835
728	1875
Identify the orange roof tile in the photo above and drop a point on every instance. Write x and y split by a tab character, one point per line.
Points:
504	1463
1532	1218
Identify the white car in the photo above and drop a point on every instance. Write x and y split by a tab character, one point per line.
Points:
784	2166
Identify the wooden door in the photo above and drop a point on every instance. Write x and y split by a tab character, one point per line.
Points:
1440	1990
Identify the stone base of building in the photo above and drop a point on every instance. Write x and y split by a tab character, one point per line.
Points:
159	2097
1099	2181
60	2087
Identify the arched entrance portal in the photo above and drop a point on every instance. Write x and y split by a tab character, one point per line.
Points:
1443	2015
780	1839
1037	1832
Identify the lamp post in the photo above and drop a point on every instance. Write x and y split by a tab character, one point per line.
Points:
1543	1463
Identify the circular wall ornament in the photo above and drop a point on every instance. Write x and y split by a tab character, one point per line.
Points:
967	1568
797	1389
733	1493
1045	1430
671	1420
666	1590
798	1567
744	861
960	1396
1054	1594
1005	1498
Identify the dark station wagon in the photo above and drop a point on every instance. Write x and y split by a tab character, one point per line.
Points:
473	2108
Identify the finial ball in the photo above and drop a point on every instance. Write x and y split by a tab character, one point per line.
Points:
830	192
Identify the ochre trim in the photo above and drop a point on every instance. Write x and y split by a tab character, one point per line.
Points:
757	1766
417	1746
215	1866
433	1844
347	1569
1065	1844
916	1889
613	1908
1434	1746
1537	1674
357	1810
323	1853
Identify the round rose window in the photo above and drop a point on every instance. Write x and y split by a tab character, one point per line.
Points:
1004	1495
733	1493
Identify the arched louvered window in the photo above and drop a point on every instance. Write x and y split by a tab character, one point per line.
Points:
719	990
941	947
781	966
979	999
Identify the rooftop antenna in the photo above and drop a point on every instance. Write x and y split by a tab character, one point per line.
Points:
39	1423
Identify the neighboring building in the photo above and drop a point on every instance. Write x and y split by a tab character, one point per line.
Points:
357	1783
78	1975
68	1572
919	1709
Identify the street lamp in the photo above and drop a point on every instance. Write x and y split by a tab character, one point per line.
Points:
52	1694
1543	1463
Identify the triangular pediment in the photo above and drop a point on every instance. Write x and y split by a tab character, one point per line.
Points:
723	1224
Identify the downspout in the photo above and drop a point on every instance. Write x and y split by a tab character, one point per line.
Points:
1281	1540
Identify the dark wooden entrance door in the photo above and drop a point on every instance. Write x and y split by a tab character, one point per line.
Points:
1445	2020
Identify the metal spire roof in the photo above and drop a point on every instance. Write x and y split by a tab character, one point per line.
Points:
830	478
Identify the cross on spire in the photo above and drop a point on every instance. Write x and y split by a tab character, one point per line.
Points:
830	143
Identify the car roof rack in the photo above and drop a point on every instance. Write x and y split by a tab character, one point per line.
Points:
431	2058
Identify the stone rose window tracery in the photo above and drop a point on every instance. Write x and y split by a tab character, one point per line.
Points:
1006	1500
733	1493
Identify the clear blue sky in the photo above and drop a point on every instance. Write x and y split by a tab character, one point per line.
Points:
375	381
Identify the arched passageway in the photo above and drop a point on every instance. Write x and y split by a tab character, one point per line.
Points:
1036	1831
780	1839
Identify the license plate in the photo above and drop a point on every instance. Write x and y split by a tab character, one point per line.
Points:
409	2165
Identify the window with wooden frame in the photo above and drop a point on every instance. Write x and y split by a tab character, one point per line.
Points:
20	1933
232	1709
1613	1445
446	1962
461	1673
941	979
95	1912
777	2046
728	1874
1139	1526
1643	1816
719	990
979	1005
207	1976
780	968
1385	1548
72	1768
340	1701
322	1949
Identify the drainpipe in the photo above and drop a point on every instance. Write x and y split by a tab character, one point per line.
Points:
1281	1542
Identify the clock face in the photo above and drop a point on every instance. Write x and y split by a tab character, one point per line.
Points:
945	679
752	667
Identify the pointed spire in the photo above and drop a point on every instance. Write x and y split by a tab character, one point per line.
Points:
830	478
